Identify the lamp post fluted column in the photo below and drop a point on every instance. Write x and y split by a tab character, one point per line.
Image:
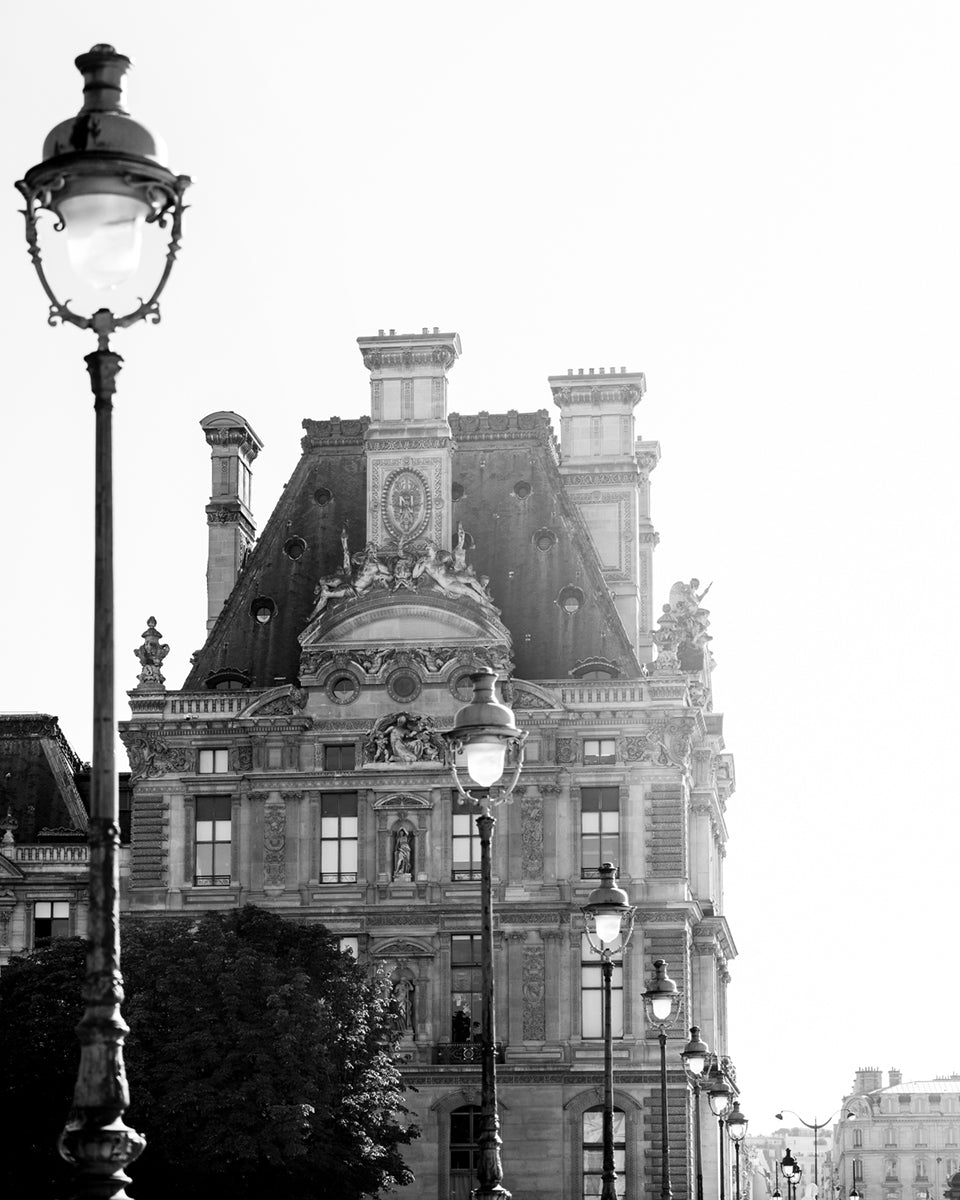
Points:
662	998
101	178
483	730
608	916
490	1167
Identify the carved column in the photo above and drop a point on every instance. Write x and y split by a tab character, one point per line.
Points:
534	992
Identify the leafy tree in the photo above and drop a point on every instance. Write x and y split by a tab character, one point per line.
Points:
261	1057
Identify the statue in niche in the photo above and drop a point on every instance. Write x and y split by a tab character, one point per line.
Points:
402	855
151	654
403	992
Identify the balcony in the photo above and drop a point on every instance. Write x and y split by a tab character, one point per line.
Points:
458	1053
56	855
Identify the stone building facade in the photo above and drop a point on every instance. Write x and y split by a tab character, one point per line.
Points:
44	791
899	1142
300	767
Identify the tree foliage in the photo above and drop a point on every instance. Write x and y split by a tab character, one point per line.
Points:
260	1057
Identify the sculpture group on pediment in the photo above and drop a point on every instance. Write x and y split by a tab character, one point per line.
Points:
404	737
425	567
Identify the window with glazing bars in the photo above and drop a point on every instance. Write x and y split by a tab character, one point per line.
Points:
338	837
599	829
212	841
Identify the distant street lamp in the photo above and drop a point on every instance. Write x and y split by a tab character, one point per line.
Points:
103	180
816	1126
737	1129
662	1000
606	910
791	1170
718	1097
483	730
695	1055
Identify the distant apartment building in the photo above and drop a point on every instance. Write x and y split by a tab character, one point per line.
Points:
900	1142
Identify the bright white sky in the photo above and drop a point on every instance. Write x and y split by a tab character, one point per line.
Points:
754	203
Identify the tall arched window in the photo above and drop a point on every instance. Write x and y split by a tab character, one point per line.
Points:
592	1142
464	1155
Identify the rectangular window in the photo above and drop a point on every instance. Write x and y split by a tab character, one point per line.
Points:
466	843
213	841
600	750
338	837
465	987
858	1169
350	945
51	919
593	1152
340	758
591	994
599	829
858	1137
214	762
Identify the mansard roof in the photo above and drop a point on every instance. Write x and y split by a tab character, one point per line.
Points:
523	531
39	776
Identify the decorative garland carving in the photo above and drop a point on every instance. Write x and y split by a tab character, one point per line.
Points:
531	836
274	844
533	989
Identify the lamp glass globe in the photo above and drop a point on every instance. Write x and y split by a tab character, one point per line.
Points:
485	762
104	237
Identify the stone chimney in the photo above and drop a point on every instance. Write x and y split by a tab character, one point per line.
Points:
233	447
867	1079
408	443
895	1077
606	472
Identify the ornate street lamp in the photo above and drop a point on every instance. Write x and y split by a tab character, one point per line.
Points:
662	1000
816	1126
483	730
694	1055
103	179
718	1097
609	917
791	1170
737	1129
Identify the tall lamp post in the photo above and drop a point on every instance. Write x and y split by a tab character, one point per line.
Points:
718	1096
694	1055
791	1170
662	1000
608	907
103	180
737	1129
483	730
816	1126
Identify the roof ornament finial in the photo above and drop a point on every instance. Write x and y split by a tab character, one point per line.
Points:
151	654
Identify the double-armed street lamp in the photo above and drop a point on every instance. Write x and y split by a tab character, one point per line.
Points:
662	1000
695	1055
816	1126
609	919
103	180
737	1129
484	730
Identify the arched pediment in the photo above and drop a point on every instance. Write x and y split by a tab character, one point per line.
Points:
387	618
286	700
402	948
531	695
402	801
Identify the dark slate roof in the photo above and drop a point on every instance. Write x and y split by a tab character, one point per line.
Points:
39	771
493	453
